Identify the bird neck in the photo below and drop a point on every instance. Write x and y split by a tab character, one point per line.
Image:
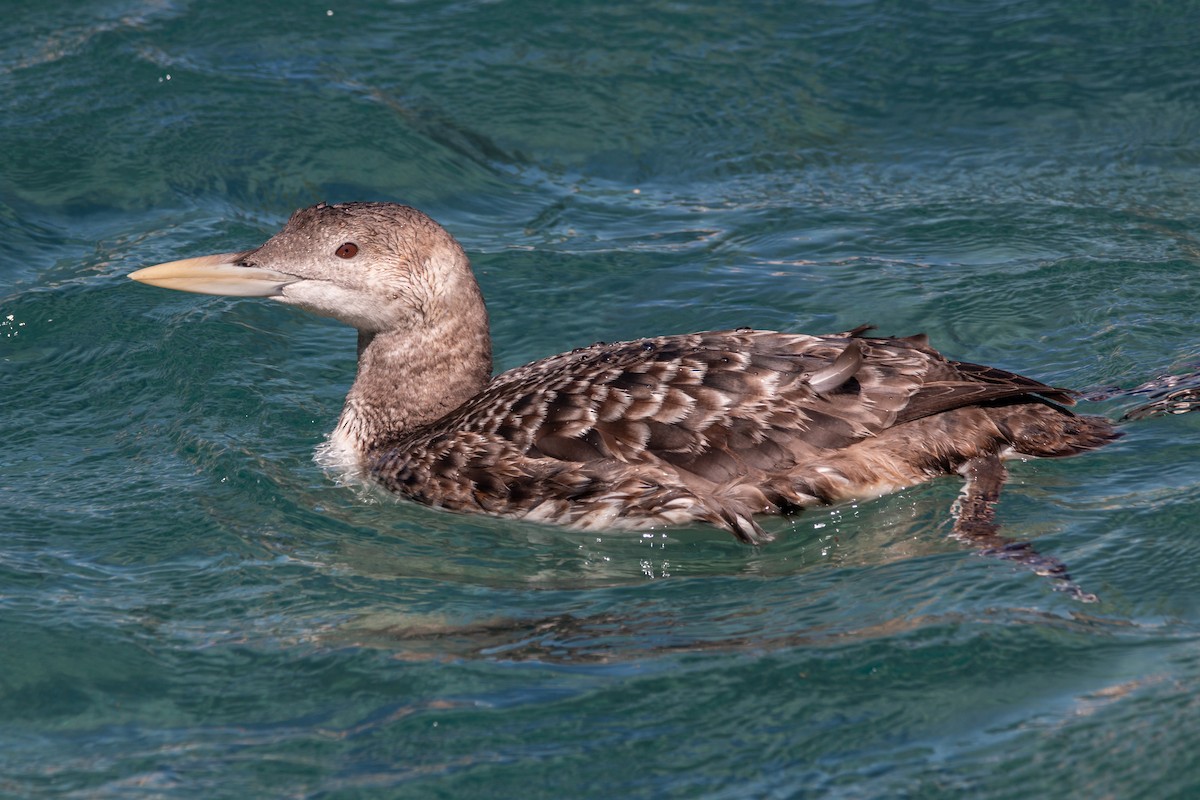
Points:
410	378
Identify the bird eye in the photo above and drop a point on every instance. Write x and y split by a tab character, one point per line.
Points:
347	250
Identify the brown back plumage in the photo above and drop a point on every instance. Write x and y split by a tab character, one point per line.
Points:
715	426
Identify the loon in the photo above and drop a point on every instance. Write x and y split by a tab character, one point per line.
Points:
715	427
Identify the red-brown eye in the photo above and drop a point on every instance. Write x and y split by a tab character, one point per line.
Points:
348	250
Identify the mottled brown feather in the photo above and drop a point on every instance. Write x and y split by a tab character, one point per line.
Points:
722	425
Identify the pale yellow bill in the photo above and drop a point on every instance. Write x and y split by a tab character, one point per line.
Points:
216	274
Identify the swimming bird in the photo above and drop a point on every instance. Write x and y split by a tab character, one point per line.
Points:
716	427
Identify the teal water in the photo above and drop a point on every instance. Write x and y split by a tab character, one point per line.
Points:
190	607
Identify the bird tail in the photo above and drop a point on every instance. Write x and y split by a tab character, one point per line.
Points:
1054	435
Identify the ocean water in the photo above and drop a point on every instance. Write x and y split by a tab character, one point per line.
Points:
190	607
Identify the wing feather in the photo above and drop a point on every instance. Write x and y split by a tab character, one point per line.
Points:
718	413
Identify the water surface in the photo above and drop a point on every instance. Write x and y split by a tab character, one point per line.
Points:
190	607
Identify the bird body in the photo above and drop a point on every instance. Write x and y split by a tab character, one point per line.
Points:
715	427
